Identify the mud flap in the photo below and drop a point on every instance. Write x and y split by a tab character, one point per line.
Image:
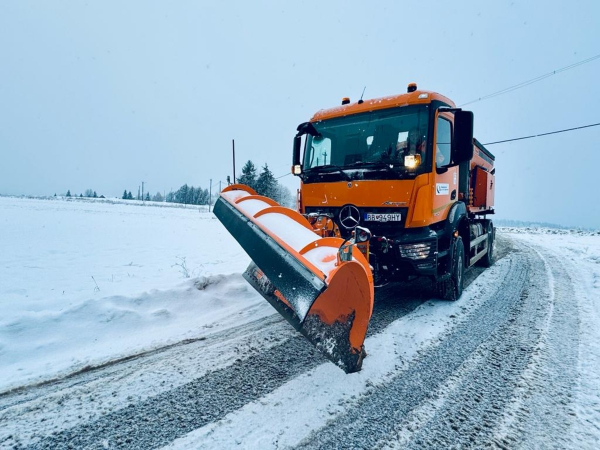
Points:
328	300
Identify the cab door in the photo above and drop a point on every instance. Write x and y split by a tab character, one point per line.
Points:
445	186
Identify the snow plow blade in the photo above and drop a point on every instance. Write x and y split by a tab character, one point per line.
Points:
321	287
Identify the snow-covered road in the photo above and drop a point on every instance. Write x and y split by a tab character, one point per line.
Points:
515	363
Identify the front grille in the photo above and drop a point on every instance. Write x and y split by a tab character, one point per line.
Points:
376	228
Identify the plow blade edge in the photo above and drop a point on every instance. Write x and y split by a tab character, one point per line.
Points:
328	300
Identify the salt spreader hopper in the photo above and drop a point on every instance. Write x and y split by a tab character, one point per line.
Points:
320	286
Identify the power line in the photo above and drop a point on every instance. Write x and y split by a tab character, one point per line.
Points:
533	80
519	86
543	134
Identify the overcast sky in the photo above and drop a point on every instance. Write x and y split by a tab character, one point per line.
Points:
106	94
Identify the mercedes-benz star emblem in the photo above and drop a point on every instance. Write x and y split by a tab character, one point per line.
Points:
349	216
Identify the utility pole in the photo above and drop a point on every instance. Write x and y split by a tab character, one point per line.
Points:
210	195
233	145
142	191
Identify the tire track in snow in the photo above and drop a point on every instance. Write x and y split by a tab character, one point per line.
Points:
543	410
476	400
376	417
28	414
513	391
160	419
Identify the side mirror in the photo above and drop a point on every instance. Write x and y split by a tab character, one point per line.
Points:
463	137
296	152
296	166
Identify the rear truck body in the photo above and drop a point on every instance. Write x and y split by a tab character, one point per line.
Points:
392	188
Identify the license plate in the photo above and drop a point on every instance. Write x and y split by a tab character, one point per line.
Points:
389	217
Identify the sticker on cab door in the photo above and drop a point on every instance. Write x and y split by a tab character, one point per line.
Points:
442	189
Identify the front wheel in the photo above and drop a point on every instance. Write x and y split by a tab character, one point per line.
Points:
452	288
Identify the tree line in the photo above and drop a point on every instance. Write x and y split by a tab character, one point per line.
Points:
158	197
263	182
189	195
88	193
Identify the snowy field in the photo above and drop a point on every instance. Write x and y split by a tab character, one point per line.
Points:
83	283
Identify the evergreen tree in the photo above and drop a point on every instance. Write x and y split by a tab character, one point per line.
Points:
147	197
181	194
95	195
69	193
190	196
248	175
129	196
80	195
158	197
266	183
124	195
204	198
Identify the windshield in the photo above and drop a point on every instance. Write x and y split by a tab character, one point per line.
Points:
391	139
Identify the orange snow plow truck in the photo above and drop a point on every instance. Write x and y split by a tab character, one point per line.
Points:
391	189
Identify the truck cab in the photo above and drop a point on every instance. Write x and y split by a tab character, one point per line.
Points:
403	175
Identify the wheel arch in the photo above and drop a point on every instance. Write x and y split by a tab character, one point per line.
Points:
457	220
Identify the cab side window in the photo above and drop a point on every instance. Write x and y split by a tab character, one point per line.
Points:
443	142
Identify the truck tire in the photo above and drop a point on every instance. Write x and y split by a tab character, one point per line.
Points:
451	288
488	259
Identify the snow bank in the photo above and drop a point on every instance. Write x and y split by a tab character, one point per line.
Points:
82	283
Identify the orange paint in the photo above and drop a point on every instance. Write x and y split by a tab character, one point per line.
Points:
428	197
376	104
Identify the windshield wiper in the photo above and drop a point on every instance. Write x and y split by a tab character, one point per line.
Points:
374	164
330	168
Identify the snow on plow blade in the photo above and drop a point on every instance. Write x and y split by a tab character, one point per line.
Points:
325	292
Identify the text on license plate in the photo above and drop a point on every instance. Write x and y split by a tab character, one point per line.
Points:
372	217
